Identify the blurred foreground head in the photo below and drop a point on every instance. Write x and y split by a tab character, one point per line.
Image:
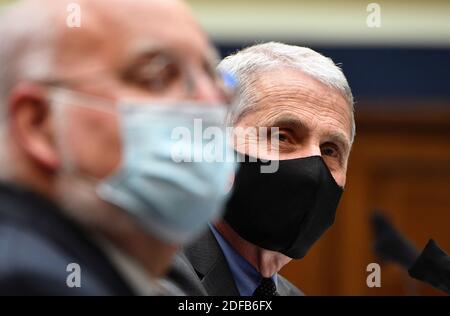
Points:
100	51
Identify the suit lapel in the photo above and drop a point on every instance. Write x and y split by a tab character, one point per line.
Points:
211	266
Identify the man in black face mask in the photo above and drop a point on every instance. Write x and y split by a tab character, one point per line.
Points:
272	217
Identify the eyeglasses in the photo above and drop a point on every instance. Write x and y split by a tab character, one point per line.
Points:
162	75
158	73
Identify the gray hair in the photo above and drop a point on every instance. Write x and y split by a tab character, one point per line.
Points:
26	49
247	63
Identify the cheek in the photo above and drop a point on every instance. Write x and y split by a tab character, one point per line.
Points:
340	177
338	171
93	141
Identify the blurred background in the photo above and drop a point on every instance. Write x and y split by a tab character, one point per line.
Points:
400	163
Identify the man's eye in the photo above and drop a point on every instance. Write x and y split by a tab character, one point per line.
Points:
282	135
158	79
154	74
330	150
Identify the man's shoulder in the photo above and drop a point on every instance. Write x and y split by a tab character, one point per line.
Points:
39	259
286	288
30	264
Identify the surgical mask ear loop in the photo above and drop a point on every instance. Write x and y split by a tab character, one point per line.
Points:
59	101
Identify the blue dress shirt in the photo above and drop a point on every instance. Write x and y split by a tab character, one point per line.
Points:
245	276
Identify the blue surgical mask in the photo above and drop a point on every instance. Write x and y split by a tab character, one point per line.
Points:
171	179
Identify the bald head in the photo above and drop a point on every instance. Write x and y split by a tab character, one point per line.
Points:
38	43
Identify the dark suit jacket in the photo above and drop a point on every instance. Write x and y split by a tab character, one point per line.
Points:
37	243
206	271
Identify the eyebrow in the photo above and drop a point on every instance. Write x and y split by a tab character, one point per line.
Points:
136	56
151	50
298	125
287	121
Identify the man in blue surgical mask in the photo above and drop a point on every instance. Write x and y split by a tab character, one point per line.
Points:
92	198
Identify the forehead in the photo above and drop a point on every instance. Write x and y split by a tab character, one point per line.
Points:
291	95
113	30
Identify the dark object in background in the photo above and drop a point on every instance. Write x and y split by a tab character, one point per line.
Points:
390	245
433	267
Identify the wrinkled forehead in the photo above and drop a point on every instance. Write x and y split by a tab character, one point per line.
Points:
295	95
112	30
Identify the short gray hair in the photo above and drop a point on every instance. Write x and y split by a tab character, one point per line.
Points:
26	51
245	64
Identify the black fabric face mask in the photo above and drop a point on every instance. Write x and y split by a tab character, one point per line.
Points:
286	211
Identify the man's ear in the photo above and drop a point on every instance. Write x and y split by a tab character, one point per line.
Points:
31	125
